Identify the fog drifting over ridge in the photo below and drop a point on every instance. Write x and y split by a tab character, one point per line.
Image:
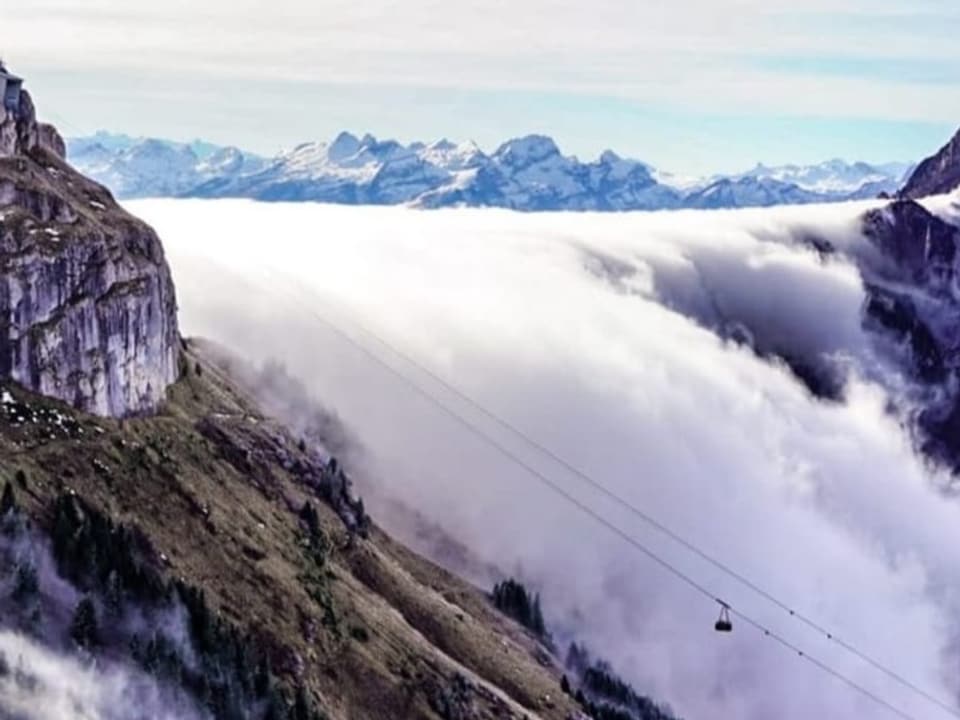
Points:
38	683
583	331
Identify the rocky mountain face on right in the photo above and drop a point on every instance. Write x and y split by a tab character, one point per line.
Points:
911	277
909	265
937	174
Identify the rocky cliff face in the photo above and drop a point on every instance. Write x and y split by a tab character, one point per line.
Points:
937	174
913	301
87	304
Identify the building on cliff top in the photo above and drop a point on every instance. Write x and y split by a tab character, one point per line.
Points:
10	86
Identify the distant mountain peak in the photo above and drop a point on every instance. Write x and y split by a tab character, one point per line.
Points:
609	157
527	149
343	146
442	144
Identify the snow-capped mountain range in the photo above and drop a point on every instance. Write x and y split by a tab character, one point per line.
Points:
149	167
528	173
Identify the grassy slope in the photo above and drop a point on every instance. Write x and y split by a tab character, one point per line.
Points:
222	512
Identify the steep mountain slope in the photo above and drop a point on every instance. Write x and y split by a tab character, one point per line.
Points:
216	491
87	305
938	174
527	173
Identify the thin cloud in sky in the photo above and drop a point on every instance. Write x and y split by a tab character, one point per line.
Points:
770	57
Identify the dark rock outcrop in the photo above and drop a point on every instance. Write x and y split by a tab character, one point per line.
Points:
937	174
915	245
910	272
87	304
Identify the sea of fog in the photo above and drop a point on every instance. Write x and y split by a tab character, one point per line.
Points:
592	334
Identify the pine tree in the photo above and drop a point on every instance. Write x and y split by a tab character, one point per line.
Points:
301	706
309	515
84	629
26	585
513	599
8	502
578	659
262	682
113	596
274	709
565	685
536	617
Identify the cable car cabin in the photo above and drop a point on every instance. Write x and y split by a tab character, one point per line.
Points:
723	623
10	87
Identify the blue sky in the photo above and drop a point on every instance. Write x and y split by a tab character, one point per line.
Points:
692	86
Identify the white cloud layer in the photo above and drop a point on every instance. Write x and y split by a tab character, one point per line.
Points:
575	327
39	684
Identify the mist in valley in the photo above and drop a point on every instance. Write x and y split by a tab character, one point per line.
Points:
46	673
646	350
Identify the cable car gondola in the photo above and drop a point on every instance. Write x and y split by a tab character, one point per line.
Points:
723	623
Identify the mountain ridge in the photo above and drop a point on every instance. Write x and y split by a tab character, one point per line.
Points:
938	174
526	173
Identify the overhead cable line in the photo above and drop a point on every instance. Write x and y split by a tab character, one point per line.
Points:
597	517
651	521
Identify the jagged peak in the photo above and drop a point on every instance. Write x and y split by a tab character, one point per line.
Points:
343	146
445	146
152	145
21	134
938	174
527	149
609	157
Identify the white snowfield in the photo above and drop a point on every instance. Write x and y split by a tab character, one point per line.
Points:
597	334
